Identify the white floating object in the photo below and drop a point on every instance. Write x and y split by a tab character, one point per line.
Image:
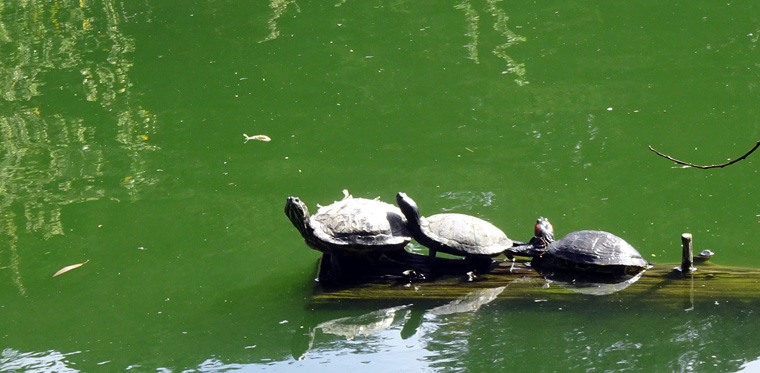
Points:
264	138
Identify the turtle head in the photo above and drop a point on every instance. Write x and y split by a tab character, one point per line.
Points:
408	208
543	236
298	214
544	233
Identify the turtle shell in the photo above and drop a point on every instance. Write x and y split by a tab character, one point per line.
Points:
358	225
464	235
597	251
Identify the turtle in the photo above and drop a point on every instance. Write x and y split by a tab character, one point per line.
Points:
455	234
703	256
587	251
351	226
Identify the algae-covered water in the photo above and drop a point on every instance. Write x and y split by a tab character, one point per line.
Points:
122	147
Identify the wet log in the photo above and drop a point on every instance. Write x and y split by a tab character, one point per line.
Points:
660	283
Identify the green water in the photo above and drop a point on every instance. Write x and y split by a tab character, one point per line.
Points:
122	145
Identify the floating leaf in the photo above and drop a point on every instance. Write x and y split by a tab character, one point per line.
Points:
69	268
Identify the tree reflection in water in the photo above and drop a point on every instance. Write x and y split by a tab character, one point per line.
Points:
62	59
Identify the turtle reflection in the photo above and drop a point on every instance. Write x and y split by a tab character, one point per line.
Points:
362	325
372	323
472	301
349	327
592	285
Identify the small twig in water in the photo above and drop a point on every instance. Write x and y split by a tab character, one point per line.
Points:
706	167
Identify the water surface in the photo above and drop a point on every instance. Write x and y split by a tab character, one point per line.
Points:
122	145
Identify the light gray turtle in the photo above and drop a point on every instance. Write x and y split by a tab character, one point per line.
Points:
456	234
351	226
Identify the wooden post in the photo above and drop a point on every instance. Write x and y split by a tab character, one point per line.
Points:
687	258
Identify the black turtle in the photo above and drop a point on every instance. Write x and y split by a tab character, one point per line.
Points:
588	251
349	227
455	234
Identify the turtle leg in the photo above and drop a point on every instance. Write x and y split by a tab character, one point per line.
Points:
328	268
335	265
407	264
431	258
342	269
340	273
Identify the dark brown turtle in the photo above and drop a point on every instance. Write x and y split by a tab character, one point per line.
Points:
588	251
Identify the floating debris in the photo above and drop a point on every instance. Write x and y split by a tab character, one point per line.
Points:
264	138
69	268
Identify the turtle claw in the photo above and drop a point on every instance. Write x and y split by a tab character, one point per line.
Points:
470	276
411	275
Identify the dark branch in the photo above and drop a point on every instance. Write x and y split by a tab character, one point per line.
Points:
705	167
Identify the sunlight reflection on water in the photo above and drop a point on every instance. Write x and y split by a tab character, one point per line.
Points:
43	361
